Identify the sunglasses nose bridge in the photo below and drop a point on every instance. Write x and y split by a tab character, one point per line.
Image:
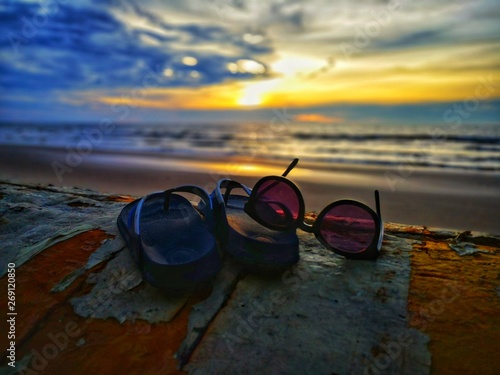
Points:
309	228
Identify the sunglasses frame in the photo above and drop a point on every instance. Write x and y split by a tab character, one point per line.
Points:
252	212
371	251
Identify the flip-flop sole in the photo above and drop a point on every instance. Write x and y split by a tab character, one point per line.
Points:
176	250
255	246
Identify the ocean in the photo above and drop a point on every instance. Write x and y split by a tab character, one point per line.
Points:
463	147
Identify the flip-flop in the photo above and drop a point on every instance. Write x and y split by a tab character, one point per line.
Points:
172	242
254	246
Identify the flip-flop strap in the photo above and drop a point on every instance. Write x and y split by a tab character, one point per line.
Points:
228	185
206	208
137	230
188	189
137	213
220	200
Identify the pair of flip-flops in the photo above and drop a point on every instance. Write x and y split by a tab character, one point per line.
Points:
178	246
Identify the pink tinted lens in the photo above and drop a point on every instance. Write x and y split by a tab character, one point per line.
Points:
348	228
276	203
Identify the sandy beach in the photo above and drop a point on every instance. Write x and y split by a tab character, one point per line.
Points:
451	199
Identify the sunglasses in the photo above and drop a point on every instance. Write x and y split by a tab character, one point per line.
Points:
347	227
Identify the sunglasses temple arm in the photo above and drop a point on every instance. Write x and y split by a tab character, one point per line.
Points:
377	204
290	167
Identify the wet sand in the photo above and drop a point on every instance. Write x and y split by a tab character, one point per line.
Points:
446	199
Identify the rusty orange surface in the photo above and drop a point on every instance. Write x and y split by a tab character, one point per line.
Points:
121	198
453	299
48	327
104	347
38	276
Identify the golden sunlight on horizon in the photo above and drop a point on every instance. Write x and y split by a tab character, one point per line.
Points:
255	93
297	81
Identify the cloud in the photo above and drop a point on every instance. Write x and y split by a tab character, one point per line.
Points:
83	47
412	39
87	50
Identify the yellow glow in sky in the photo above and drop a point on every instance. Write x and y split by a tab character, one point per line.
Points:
409	76
311	71
254	93
189	61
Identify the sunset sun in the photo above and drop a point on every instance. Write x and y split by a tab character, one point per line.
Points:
255	93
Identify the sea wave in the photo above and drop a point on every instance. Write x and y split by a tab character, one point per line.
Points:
465	147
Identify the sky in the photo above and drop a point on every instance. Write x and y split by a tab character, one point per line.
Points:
322	61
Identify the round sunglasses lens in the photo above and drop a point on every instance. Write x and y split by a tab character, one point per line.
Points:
348	228
277	204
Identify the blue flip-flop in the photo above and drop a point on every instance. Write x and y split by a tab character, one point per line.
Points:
254	246
172	242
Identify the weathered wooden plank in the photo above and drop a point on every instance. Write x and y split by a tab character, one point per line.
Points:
455	299
34	219
113	295
326	315
433	293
